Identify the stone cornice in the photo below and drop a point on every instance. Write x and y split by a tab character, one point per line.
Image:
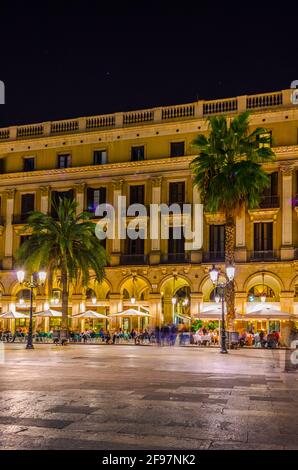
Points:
100	136
110	170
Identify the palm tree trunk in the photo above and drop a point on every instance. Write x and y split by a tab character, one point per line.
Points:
64	323
229	258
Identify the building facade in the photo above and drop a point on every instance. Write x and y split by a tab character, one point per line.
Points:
146	155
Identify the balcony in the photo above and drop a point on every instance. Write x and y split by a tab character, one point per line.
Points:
92	214
176	258
19	219
213	256
268	202
134	259
264	255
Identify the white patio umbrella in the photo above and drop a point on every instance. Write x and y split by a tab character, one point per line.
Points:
13	315
48	313
266	314
131	312
89	314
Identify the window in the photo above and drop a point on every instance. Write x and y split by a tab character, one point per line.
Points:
270	194
29	163
99	157
64	160
95	197
177	149
217	241
55	196
23	238
135	247
137	194
177	193
263	236
2	165
27	204
176	245
137	153
266	135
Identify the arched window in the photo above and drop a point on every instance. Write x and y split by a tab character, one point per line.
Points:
23	296
126	294
90	293
56	296
255	293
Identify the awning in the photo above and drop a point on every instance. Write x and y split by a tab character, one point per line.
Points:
89	314
131	312
48	313
13	315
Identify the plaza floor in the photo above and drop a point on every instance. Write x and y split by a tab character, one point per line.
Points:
135	397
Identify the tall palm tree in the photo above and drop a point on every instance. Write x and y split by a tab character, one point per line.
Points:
228	172
65	245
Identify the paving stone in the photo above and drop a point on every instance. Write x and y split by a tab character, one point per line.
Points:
89	397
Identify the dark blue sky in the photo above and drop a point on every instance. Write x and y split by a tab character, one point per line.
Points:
83	60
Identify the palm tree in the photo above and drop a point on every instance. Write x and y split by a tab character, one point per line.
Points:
228	172
65	245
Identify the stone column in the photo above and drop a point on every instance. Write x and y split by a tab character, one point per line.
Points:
44	199
286	305
168	313
76	300
155	310
8	240
197	225
39	302
116	306
116	242
287	249
240	252
80	192
196	299
154	257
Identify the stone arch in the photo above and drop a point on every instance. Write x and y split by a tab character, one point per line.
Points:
141	286
270	279
207	286
181	279
294	282
167	283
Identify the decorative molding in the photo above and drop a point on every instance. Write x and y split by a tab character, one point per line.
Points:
79	187
156	181
287	169
44	191
117	184
10	193
215	218
259	215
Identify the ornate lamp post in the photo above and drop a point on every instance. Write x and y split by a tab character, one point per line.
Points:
31	284
220	295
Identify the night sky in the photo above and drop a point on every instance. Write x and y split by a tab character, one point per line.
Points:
84	60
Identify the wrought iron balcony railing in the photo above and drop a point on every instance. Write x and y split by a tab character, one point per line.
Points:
213	256
134	259
264	255
176	258
268	202
19	218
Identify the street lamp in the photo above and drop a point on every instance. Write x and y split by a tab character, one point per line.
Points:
220	295
133	299
31	284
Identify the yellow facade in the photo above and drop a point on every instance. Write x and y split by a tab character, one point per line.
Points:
155	130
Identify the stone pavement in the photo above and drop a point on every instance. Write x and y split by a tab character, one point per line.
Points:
134	397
